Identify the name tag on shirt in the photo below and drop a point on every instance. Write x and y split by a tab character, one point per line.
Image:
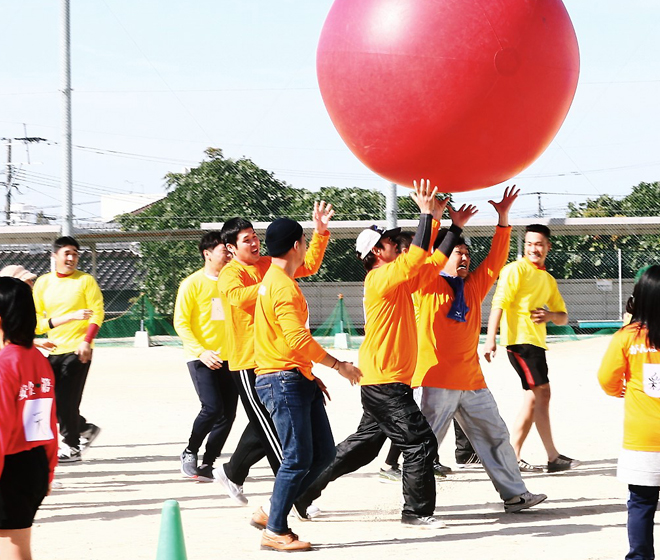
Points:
36	420
217	312
651	374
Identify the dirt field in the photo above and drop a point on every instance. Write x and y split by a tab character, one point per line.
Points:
108	507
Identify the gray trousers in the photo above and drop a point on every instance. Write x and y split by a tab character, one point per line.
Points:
477	414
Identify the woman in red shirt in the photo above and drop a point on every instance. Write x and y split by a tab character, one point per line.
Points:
28	430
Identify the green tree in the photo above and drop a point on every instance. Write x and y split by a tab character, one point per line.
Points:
219	189
596	256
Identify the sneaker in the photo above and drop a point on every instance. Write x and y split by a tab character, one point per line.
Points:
300	511
423	522
234	491
289	542
188	464
440	470
259	519
562	463
524	501
88	435
205	474
472	462
313	511
390	474
68	454
524	466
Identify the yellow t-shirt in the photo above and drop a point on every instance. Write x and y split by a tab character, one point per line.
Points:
55	297
389	351
630	363
447	355
238	285
282	340
523	287
198	315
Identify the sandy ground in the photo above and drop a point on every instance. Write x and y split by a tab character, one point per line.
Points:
109	505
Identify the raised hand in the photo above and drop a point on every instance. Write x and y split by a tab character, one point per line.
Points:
439	210
424	196
503	206
321	216
461	216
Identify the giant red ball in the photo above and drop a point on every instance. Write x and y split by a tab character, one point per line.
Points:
466	93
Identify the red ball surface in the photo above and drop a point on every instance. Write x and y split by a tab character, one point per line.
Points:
466	93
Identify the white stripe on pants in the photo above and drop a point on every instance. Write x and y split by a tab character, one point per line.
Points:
265	422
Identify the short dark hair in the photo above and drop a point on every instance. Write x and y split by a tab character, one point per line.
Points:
232	228
210	240
403	241
442	234
538	228
65	241
369	261
17	312
644	305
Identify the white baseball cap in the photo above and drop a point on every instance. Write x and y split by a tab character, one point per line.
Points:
369	237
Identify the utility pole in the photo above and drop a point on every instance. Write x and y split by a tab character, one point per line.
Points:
8	184
540	210
391	206
67	174
10	172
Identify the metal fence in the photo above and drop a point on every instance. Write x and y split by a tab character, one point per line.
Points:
139	279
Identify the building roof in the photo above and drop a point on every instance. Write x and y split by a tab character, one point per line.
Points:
116	269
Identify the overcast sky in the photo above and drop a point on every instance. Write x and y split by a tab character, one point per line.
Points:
156	82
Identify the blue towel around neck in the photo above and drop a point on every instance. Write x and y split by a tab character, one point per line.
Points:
459	308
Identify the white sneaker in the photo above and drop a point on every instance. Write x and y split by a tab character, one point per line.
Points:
313	511
234	491
427	522
524	501
88	436
68	454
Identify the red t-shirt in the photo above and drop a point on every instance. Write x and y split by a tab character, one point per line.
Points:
27	404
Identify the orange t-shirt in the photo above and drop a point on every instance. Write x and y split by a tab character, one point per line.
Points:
282	340
389	351
238	284
447	355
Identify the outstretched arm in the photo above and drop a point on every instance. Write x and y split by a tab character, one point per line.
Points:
503	206
321	216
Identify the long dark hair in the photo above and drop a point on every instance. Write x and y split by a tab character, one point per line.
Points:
644	305
17	313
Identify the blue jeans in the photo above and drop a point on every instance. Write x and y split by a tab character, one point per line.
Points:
296	406
642	503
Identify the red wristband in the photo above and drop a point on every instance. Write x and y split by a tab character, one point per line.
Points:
92	331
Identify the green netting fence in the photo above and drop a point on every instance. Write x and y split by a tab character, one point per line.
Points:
338	330
141	315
